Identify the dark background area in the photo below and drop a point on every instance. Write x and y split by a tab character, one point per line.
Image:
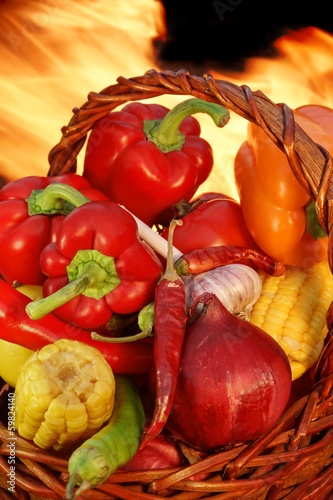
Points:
227	32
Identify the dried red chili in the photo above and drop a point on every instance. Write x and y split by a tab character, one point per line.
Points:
203	259
169	331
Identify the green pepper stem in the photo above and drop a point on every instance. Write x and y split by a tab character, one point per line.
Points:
90	273
145	323
165	133
121	340
313	226
56	198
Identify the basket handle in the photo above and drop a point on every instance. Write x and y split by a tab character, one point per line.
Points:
310	162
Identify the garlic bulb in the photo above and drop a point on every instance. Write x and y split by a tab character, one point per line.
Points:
237	286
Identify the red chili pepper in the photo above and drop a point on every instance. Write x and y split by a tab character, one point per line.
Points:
17	327
159	150
29	220
169	331
204	259
97	265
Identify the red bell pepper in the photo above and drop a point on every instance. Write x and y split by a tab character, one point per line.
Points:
29	220
212	222
96	266
15	326
148	158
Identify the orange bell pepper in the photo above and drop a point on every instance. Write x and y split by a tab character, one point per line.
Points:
278	212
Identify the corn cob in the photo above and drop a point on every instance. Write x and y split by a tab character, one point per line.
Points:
292	309
64	394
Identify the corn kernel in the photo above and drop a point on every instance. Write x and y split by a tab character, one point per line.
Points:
294	344
309	340
307	349
273	328
297	369
300	356
285	346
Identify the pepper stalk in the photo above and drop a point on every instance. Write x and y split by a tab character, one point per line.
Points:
90	273
165	133
57	198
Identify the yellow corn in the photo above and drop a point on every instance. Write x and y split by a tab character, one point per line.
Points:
64	394
292	309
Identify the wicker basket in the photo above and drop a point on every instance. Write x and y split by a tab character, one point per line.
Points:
295	459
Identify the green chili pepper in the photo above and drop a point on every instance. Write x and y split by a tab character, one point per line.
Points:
92	463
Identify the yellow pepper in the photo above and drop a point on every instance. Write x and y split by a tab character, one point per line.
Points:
277	210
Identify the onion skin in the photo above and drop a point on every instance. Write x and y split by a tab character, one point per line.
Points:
234	381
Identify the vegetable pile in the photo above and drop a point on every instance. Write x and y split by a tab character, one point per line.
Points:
165	320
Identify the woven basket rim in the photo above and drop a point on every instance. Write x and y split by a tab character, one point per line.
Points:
294	459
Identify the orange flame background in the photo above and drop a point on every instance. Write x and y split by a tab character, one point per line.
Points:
53	53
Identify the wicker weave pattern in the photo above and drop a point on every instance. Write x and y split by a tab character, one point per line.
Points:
295	459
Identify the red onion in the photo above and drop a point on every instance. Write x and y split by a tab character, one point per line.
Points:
234	380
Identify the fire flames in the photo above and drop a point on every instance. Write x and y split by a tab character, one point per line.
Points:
54	52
